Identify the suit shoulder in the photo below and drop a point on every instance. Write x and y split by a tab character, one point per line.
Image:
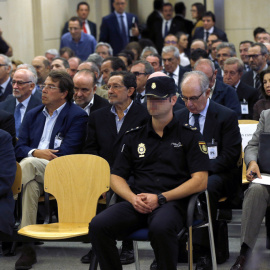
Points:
187	126
4	136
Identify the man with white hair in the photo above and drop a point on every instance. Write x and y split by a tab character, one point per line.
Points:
51	54
104	49
22	101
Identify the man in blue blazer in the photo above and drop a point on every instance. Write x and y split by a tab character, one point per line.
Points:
220	92
117	28
54	129
7	176
209	27
23	84
219	127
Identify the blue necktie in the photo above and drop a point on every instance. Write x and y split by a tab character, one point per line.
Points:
17	116
166	29
124	33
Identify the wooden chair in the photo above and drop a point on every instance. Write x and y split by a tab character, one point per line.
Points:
77	182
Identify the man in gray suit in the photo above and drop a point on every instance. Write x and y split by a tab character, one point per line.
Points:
256	197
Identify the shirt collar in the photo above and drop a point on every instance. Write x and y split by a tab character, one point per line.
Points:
167	127
24	103
204	111
125	111
210	31
55	113
119	14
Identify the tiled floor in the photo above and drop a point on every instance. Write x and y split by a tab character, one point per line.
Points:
54	256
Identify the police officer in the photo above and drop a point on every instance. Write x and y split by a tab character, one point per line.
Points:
169	162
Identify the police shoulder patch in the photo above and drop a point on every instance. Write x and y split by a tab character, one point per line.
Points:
133	129
203	147
188	126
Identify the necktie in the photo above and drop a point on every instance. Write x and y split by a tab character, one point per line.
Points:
206	36
257	82
138	98
196	123
1	89
123	28
166	29
84	28
17	116
171	75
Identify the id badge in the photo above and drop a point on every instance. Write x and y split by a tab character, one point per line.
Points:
57	141
244	107
212	150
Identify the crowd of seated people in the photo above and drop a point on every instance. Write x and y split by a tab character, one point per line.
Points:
137	83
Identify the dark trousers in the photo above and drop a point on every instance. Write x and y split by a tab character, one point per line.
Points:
121	219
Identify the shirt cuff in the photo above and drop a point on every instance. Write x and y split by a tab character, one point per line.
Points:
30	152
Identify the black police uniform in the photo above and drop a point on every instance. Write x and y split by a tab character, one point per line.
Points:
158	164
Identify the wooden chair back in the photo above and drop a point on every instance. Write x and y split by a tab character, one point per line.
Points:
77	182
17	185
244	170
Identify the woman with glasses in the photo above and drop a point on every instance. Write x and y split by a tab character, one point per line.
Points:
263	104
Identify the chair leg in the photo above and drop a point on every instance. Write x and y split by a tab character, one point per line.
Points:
211	235
190	249
136	255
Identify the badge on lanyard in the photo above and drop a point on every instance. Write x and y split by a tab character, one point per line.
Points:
212	149
244	107
58	140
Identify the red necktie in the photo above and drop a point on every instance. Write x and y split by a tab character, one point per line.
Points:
84	28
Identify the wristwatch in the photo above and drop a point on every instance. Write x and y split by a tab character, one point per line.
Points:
161	199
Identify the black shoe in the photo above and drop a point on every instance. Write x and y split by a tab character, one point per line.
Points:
204	263
127	252
87	258
240	263
153	265
27	259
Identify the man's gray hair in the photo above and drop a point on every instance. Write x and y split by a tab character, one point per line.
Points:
30	68
95	58
107	45
148	69
227	45
235	60
53	52
205	62
204	81
152	49
7	61
173	49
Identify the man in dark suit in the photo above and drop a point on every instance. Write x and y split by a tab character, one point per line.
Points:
54	129
219	127
22	100
208	28
7	123
257	54
185	25
243	50
172	67
7	176
5	80
155	16
83	10
119	27
220	92
107	126
248	96
84	92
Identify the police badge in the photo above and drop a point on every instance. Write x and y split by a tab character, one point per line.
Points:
141	149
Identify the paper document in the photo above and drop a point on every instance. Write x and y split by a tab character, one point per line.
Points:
264	181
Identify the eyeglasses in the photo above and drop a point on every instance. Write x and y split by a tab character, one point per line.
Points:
192	99
136	73
223	55
255	56
3	65
50	87
170	42
19	83
116	87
